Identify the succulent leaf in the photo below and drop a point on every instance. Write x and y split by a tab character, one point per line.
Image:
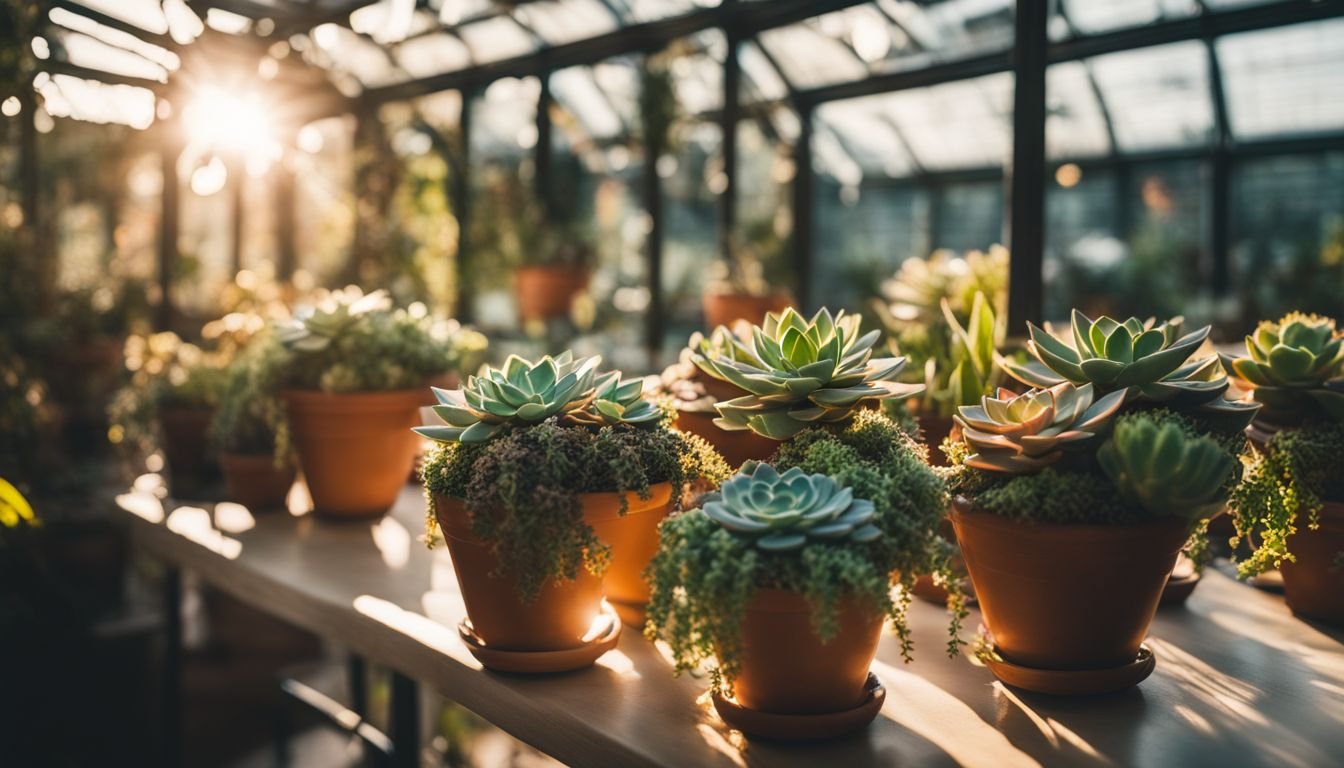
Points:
1020	434
783	512
1294	368
1164	469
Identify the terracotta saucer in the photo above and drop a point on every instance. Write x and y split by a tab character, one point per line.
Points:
766	725
1074	682
606	634
929	592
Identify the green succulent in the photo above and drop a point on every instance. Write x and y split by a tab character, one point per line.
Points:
1165	469
782	512
314	328
798	373
1294	368
1149	360
617	401
1021	434
973	371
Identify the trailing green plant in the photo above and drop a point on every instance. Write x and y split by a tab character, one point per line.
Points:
356	342
1284	486
1150	361
795	373
165	372
1294	368
524	441
250	419
1017	434
712	561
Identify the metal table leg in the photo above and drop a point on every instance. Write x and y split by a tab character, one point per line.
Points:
405	725
171	695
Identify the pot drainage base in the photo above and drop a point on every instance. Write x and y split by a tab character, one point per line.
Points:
544	662
1074	682
767	725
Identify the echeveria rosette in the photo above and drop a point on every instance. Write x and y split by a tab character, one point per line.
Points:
314	328
1294	368
617	401
518	394
1148	360
1166	470
1021	434
783	512
798	373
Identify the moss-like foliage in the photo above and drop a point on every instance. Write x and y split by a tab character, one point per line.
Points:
1075	490
1298	471
522	487
704	576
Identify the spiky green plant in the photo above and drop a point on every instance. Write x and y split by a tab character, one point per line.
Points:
1294	368
1018	434
973	370
798	373
618	401
782	512
1165	469
1149	360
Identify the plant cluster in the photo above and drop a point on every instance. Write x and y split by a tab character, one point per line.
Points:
523	441
250	419
166	372
356	342
1126	428
934	337
845	507
795	373
1294	368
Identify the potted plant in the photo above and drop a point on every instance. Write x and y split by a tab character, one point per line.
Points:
746	286
244	430
788	374
1073	499
168	403
352	378
550	277
1294	369
548	486
783	578
928	310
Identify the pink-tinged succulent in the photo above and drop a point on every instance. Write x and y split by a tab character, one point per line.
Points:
1020	434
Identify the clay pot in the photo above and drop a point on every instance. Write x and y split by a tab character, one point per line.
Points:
728	308
736	446
633	538
546	291
786	669
255	481
1067	596
186	445
356	449
1311	585
557	619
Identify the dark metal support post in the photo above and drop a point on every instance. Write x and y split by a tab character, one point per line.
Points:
171	700
29	171
237	186
286	248
732	78
357	671
653	206
1220	178
462	209
1026	201
170	150
543	160
803	210
405	721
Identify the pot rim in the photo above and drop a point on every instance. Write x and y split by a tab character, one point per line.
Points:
777	600
598	506
316	399
964	511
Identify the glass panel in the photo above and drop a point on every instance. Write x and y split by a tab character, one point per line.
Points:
652	10
145	14
115	37
94	54
692	176
761	81
1284	81
924	32
1094	16
1288	235
867	135
496	39
1075	125
1158	97
576	90
432	55
810	58
965	124
698	82
453	12
565	21
969	216
65	96
344	51
863	234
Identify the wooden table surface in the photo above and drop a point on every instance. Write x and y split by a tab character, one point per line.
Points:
1239	680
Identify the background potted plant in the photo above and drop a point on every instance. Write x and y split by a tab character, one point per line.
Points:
784	577
550	480
1295	369
352	377
928	310
789	373
169	402
1069	534
244	430
749	284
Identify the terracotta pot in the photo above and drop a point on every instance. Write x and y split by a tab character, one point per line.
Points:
357	449
633	538
559	616
1312	585
736	446
728	308
1067	596
547	291
786	669
186	445
255	481
935	429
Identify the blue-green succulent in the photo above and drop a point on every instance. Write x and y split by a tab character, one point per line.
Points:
783	512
